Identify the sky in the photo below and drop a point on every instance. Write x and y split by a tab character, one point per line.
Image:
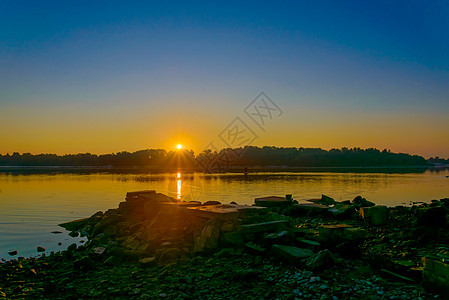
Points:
109	76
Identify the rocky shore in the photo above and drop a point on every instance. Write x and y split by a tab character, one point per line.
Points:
153	246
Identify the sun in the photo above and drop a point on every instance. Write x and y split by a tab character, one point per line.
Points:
179	146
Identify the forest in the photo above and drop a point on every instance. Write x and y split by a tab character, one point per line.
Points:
248	156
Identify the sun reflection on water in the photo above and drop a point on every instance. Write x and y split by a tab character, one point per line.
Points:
178	191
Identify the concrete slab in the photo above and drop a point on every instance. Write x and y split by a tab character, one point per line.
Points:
271	201
224	211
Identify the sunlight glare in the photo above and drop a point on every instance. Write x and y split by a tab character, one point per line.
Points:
179	146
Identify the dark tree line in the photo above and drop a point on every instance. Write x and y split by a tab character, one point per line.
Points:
317	157
248	156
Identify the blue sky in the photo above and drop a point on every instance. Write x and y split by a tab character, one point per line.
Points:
377	70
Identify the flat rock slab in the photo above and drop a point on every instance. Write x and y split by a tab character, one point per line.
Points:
272	201
74	225
189	204
263	227
309	209
291	254
222	211
146	192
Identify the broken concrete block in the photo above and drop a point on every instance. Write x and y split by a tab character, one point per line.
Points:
233	239
308	244
272	201
334	234
263	227
374	215
320	260
308	209
436	275
290	254
207	238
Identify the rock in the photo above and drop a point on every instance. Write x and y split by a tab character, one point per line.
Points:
374	215
99	250
320	260
84	263
74	234
40	249
13	252
291	254
308	209
433	217
227	226
272	201
276	237
233	239
226	252
207	203
308	244
436	275
325	200
59	243
254	248
341	210
147	261
56	232
207	238
72	247
264	226
335	234
359	201
74	225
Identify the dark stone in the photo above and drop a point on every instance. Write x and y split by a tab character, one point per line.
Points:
40	249
341	210
84	263
359	201
291	254
233	239
326	200
72	247
272	201
264	227
309	244
254	248
320	260
433	217
211	203
276	237
75	225
13	252
308	209
74	233
374	215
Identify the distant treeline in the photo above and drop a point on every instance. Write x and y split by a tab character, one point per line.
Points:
241	157
438	161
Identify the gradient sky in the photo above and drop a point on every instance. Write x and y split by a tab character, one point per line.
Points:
108	76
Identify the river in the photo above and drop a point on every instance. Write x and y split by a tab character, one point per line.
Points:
31	205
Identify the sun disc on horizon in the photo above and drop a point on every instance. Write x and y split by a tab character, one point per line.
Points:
179	146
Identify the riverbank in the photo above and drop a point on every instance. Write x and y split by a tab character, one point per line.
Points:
341	255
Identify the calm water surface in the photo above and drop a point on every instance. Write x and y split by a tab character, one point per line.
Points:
31	206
